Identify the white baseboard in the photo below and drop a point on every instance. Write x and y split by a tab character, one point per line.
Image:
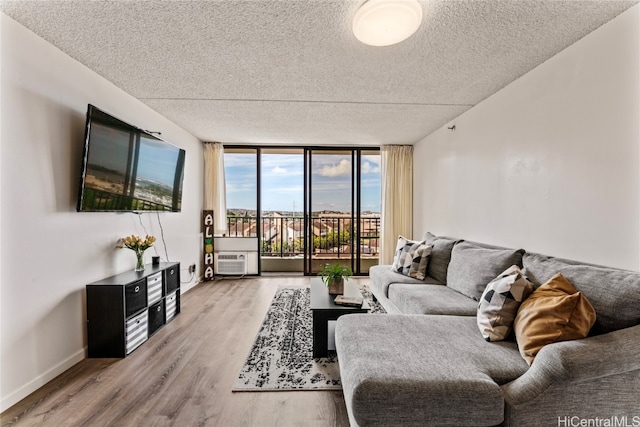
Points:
24	391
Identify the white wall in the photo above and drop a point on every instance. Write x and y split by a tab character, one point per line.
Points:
50	252
551	163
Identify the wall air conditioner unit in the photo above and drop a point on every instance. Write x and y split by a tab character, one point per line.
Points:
232	263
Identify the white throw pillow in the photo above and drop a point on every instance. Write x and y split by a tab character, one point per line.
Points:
411	258
500	302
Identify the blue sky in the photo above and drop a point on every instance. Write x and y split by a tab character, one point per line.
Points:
283	182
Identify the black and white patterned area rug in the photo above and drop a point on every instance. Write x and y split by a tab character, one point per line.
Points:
281	356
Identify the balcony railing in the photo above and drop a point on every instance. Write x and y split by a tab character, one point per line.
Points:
284	236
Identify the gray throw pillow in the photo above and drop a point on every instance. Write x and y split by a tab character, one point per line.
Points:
440	256
472	267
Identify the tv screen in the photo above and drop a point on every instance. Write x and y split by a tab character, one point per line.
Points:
127	169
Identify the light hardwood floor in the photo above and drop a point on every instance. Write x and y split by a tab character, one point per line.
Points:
183	375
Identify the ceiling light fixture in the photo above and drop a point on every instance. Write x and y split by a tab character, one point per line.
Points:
386	22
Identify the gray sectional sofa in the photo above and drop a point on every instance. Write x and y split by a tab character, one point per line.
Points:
426	362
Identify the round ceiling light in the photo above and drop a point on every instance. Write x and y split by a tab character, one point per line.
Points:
386	22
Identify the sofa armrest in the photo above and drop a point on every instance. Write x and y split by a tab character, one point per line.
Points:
572	361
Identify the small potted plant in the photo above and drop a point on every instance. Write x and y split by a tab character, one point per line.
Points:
333	276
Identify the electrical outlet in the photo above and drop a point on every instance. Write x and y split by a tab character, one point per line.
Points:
192	268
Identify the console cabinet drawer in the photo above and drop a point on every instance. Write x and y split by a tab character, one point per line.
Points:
172	279
172	306
156	317
154	288
137	331
135	295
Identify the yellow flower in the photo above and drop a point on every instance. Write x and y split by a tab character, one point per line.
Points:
136	243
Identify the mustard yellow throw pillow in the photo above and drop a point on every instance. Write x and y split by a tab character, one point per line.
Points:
554	312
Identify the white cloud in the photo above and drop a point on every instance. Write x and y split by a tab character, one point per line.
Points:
342	168
375	159
278	170
368	168
240	160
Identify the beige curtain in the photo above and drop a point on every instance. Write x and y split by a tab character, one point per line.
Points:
215	196
397	197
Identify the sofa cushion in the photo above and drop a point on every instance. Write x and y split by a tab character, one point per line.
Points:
473	267
614	293
382	276
418	370
430	299
500	302
556	311
440	256
411	258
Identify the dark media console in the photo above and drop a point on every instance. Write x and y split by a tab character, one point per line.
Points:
124	310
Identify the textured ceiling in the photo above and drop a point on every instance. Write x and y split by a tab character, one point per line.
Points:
291	72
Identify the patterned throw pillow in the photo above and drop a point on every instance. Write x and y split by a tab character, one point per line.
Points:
500	302
411	258
556	311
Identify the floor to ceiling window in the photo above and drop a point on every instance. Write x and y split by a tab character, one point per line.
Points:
331	201
307	206
282	209
369	210
241	176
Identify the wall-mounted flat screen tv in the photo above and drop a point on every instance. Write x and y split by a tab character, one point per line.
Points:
126	169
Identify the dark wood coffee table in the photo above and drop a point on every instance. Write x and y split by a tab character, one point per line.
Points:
323	310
